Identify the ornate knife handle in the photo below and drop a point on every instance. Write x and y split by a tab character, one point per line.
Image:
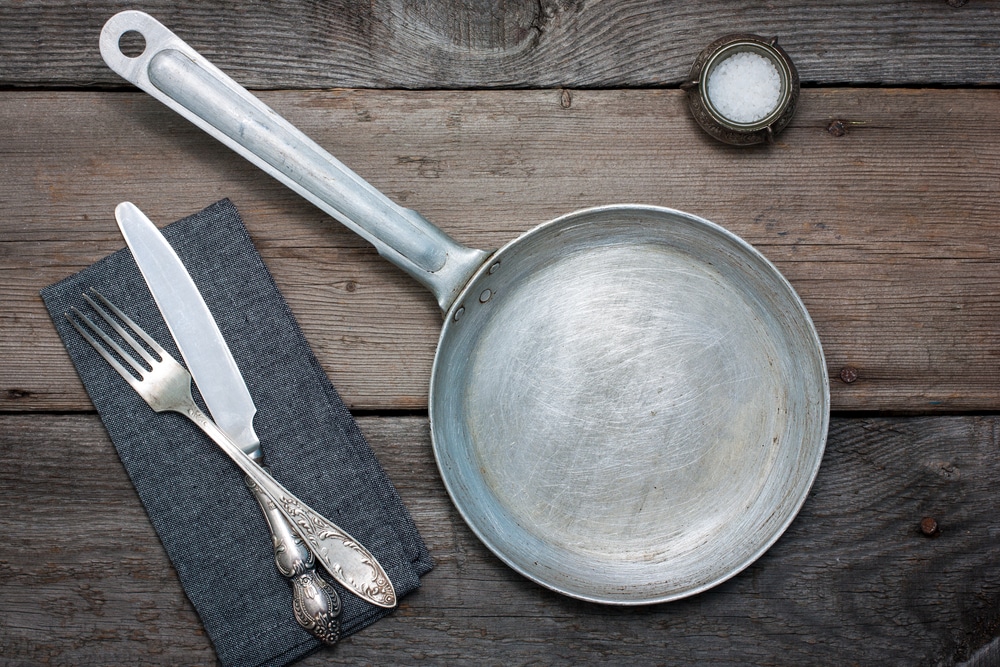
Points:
315	603
347	561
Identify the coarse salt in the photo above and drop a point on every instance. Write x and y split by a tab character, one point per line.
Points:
745	87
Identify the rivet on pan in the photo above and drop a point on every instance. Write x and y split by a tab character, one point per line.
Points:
459	313
485	296
496	265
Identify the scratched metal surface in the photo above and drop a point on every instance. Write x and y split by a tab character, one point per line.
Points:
638	409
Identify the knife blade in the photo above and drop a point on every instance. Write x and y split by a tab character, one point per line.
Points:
205	352
221	384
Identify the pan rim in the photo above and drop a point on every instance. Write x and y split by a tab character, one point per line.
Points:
817	358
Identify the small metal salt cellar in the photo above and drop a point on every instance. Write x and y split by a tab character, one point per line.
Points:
775	85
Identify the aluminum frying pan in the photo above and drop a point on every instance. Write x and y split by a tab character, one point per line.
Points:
628	404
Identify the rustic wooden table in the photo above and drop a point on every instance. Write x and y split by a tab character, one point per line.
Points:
878	203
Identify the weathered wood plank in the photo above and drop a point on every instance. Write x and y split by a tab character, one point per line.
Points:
523	43
83	580
888	232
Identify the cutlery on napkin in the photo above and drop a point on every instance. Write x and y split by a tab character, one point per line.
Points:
207	521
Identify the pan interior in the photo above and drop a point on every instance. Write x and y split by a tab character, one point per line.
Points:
637	410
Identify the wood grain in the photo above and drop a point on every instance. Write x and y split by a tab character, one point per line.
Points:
84	581
514	43
887	232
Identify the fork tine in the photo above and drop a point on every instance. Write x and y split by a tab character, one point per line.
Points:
153	345
103	352
124	334
110	342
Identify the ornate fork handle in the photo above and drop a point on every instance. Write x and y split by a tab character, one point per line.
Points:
315	603
362	574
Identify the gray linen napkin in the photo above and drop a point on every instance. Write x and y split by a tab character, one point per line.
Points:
211	527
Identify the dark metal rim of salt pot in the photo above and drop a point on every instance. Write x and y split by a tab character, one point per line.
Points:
725	129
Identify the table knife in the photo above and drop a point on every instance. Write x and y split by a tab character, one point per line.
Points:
221	385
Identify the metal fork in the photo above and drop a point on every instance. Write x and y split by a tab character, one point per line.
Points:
166	386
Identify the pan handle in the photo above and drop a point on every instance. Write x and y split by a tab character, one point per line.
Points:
174	73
